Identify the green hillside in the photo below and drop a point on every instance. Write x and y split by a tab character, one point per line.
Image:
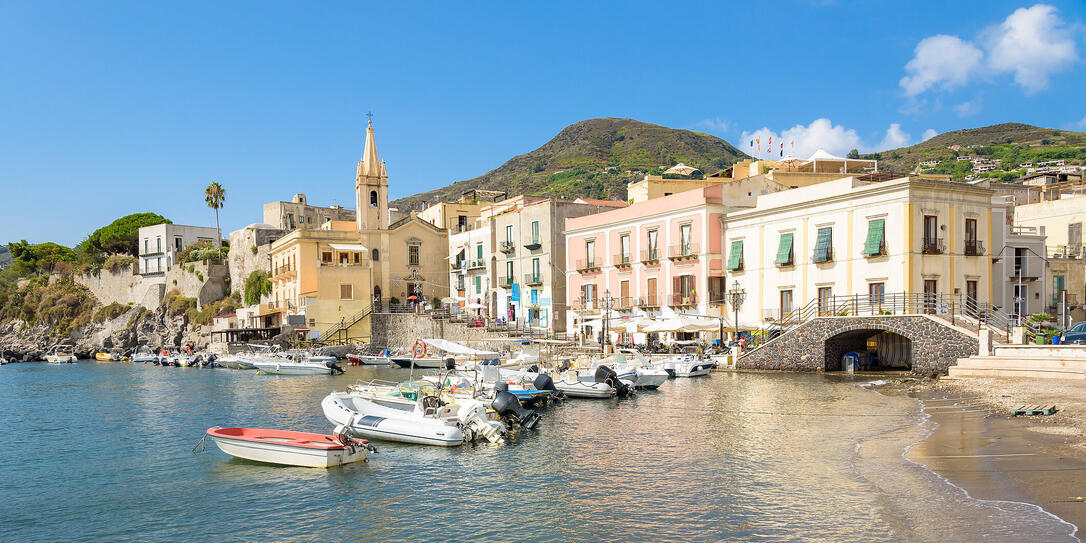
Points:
594	159
1011	143
5	256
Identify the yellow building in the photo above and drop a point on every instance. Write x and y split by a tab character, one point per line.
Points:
460	216
335	273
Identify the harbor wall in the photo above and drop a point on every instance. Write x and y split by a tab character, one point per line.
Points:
818	344
401	331
249	248
124	287
201	280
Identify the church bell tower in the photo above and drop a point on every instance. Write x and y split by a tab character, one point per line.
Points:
371	188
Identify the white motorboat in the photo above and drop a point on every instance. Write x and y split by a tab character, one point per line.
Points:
574	385
296	366
428	423
144	355
3	361
424	363
288	448
61	354
634	367
688	365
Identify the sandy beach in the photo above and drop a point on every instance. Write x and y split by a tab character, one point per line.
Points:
980	447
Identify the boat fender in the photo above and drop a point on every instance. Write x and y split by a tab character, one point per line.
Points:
419	349
508	407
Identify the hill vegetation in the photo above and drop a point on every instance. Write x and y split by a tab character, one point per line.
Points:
119	236
1012	144
594	159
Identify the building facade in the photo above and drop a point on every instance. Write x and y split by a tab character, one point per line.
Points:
297	213
160	244
471	264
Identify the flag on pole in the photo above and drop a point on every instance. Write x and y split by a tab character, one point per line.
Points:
751	144
759	140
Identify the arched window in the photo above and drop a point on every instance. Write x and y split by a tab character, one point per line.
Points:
376	255
373	198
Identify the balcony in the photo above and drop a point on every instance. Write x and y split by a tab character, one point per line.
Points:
624	303
680	300
533	245
507	247
533	279
932	246
649	256
648	301
505	282
881	251
717	298
973	247
585	265
683	251
585	303
476	264
621	261
454	265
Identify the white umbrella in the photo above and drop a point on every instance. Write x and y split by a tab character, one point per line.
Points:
474	305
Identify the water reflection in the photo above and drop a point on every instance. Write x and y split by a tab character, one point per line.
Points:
755	457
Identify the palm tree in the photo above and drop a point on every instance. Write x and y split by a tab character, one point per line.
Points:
215	196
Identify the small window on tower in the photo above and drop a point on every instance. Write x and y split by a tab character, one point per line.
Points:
376	255
373	198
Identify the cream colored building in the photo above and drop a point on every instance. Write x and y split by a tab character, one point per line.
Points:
1061	222
851	237
461	215
297	213
333	273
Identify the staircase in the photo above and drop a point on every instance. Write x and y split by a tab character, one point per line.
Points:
1026	361
339	334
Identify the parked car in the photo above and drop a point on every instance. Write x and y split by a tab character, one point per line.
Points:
1075	336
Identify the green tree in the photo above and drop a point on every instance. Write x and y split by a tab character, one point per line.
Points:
855	153
256	285
215	196
37	258
119	236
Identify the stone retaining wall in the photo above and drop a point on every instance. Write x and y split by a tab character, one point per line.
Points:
402	330
123	288
206	282
817	344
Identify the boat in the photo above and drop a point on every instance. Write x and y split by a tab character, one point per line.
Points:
687	365
144	355
289	448
424	363
429	422
60	354
3	361
296	365
574	385
634	367
382	359
112	355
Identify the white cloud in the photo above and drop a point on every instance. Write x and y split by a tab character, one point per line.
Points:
715	125
1081	123
928	134
971	107
1034	43
942	60
820	134
895	137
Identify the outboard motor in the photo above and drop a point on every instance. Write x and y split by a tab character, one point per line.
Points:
533	369
544	382
450	363
563	365
501	386
336	370
605	374
508	407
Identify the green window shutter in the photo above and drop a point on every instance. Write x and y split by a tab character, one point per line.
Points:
875	233
822	251
784	250
735	257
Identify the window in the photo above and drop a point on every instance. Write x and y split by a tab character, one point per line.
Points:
479	252
786	303
972	246
716	289
509	233
346	292
823	251
735	256
876	292
344	258
684	239
650	292
1074	234
326	257
1057	288
624	293
825	300
375	255
373	199
590	252
624	248
177	244
146	246
533	297
509	271
535	269
652	255
290	220
462	222
160	263
1019	260
478	284
930	295
784	251
875	244
971	290
588	295
158	245
459	282
413	255
931	235
535	232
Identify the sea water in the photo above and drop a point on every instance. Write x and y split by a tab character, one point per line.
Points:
94	452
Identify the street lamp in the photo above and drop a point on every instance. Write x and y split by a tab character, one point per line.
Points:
736	296
606	304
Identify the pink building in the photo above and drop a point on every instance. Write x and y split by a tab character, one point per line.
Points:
663	252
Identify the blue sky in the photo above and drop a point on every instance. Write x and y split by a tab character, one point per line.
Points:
110	108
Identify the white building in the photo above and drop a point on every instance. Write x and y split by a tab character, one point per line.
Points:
471	254
160	244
